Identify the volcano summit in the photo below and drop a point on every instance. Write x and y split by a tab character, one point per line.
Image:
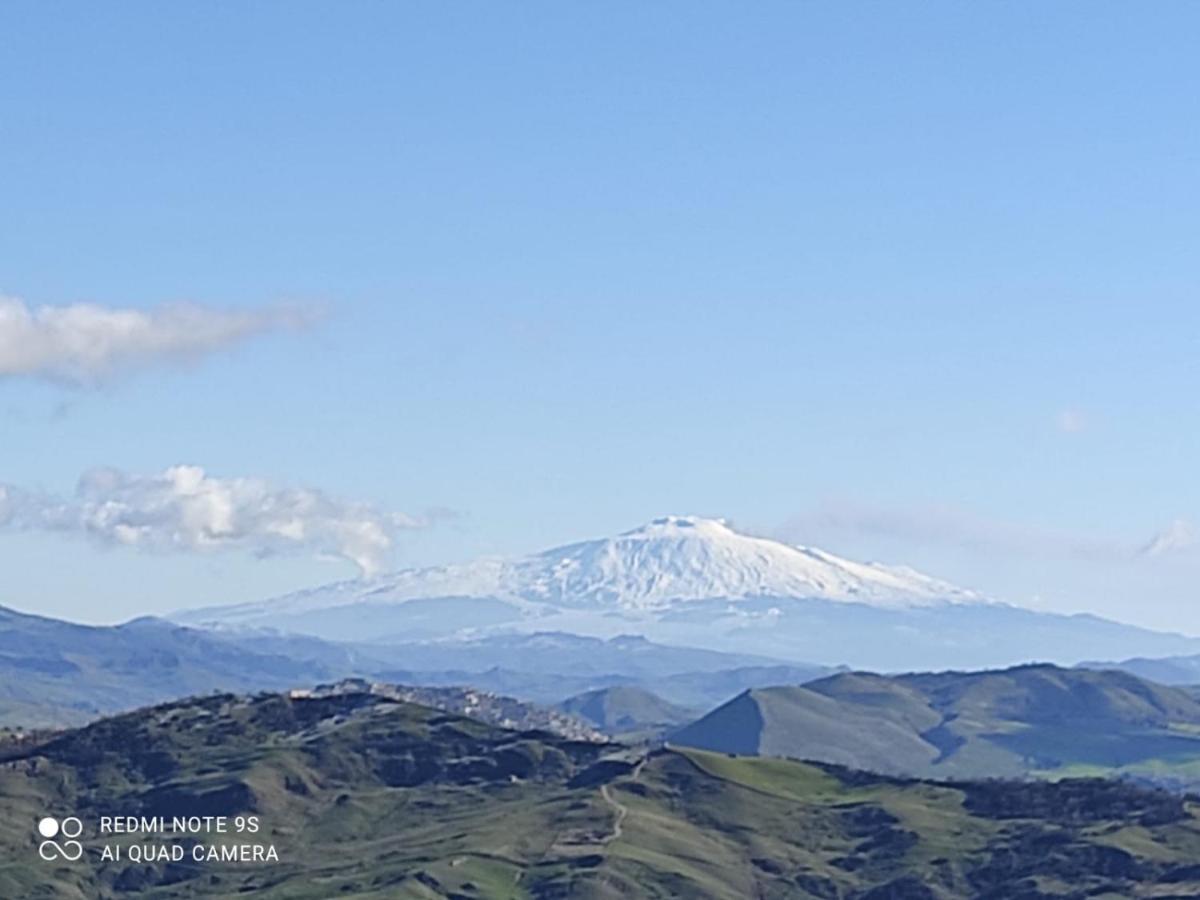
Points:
697	581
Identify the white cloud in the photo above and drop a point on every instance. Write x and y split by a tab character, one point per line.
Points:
184	509
85	343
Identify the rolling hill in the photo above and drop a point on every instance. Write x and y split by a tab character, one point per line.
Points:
1037	719
627	712
58	673
363	796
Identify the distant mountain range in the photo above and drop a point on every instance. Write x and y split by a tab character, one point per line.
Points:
60	673
685	608
1177	670
1033	719
1028	720
361	795
698	583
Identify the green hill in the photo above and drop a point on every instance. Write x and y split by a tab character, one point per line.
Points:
1037	719
627	711
363	797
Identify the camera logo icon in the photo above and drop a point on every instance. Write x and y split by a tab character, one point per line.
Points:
50	849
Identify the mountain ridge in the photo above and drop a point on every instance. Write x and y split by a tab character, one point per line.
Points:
1035	719
695	582
62	673
670	560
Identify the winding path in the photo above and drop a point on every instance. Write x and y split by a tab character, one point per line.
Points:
620	808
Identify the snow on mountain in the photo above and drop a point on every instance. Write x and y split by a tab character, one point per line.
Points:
666	564
681	558
688	583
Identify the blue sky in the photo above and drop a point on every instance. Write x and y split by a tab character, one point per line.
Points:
908	281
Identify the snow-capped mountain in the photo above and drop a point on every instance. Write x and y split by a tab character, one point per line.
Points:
684	558
668	563
692	582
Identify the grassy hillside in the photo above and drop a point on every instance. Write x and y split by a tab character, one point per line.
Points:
1038	720
364	797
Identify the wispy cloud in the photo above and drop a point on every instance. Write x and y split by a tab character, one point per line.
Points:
1181	535
183	509
85	344
951	527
